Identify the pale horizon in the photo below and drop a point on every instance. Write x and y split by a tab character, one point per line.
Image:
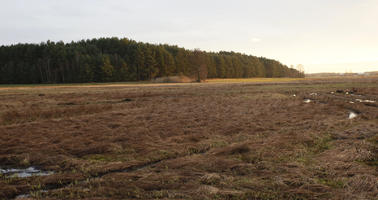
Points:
325	36
358	67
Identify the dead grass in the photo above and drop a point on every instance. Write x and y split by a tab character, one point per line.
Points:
36	113
253	80
173	79
200	141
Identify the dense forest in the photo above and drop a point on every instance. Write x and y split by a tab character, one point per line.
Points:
114	59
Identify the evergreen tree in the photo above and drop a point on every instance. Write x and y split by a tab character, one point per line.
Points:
107	69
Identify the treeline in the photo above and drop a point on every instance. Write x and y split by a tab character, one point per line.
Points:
114	59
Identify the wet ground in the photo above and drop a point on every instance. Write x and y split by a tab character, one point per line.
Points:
308	140
23	173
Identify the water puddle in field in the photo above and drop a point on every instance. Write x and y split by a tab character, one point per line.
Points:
352	115
28	196
24	173
22	196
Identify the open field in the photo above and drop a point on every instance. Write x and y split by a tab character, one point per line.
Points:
147	83
217	140
254	80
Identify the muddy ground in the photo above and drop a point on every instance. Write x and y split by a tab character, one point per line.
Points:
192	141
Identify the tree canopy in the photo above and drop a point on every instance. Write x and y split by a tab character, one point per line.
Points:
115	59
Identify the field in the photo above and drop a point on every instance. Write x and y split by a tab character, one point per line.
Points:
234	139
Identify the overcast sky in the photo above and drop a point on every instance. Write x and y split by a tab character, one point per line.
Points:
323	35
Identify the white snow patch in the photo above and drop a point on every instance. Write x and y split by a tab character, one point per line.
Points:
352	115
365	101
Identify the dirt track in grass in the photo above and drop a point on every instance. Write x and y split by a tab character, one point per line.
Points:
193	141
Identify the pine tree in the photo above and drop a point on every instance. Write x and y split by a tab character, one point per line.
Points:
107	69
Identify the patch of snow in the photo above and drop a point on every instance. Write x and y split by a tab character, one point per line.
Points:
352	115
365	101
307	101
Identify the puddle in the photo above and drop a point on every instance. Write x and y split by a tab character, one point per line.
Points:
22	196
365	101
352	115
24	173
28	196
307	101
339	91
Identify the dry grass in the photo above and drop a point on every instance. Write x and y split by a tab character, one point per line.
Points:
37	113
254	80
200	141
173	79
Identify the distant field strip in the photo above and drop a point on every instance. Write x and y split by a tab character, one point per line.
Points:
253	80
144	83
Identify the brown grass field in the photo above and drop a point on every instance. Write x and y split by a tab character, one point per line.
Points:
217	140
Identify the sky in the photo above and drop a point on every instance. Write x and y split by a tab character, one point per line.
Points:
323	35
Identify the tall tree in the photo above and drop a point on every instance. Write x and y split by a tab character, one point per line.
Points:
198	60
